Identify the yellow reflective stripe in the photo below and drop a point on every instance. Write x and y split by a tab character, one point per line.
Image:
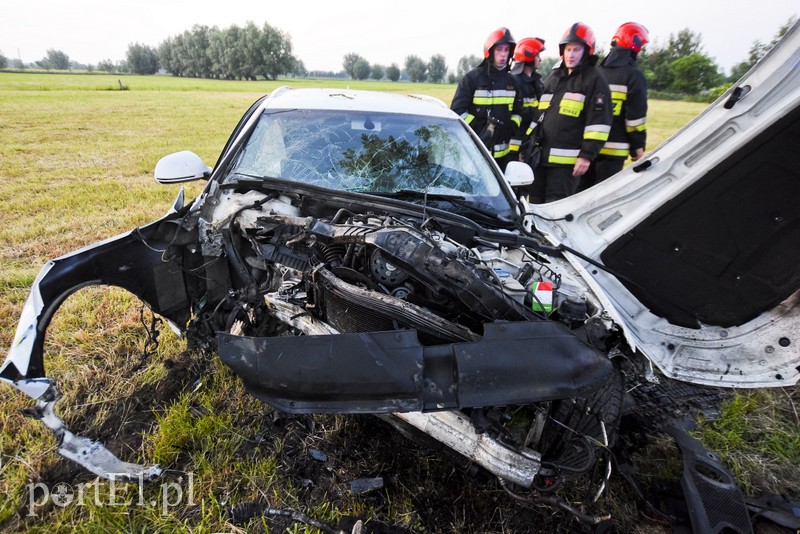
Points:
500	152
618	96
485	97
615	149
544	102
595	136
515	144
516	119
571	104
494	101
468	117
563	156
530	102
562	160
597	132
614	152
636	125
619	89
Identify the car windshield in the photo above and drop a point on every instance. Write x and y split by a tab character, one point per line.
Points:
388	154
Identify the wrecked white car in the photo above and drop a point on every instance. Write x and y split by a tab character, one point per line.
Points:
358	252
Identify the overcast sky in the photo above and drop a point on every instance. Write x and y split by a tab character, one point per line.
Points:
383	32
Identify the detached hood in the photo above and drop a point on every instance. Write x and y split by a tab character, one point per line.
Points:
696	249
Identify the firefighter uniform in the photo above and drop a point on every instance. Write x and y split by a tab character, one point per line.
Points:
531	89
629	127
575	119
488	100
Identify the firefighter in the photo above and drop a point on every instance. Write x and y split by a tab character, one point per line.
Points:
530	87
487	97
574	115
629	98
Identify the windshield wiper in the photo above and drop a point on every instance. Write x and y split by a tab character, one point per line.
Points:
456	200
412	193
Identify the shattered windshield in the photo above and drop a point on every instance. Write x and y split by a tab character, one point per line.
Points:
381	153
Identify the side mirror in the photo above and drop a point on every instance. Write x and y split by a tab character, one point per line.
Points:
181	166
518	173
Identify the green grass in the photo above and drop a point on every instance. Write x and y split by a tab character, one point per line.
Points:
76	163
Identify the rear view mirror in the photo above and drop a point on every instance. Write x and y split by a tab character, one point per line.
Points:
518	173
181	166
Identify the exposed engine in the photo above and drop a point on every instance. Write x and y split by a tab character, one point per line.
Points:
496	348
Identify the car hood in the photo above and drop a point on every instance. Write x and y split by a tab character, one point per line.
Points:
695	250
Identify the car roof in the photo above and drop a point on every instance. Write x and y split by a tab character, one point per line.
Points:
357	100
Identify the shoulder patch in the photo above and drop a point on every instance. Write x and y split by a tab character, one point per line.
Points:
599	101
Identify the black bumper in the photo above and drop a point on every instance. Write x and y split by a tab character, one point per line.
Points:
383	372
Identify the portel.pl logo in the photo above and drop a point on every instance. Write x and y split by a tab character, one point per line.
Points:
114	493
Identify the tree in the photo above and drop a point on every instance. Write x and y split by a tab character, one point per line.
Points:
276	53
378	72
55	59
758	50
437	68
654	63
694	73
361	69
393	72
167	56
227	54
349	63
142	59
657	64
547	65
299	69
685	43
106	65
416	68
3	60
466	64
252	46
197	62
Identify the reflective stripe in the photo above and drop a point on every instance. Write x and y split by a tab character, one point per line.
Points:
597	132
619	92
579	97
515	144
571	104
516	119
616	149
530	102
637	125
563	156
544	102
468	117
491	98
500	150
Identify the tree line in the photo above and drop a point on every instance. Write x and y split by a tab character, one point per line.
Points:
679	66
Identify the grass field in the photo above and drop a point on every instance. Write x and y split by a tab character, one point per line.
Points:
76	162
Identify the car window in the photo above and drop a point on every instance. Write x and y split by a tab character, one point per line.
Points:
368	152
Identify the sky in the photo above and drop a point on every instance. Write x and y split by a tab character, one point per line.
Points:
381	31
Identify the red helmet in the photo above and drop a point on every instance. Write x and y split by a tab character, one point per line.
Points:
577	33
631	35
527	49
500	35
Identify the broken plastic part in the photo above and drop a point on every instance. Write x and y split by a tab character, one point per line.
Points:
458	433
90	454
